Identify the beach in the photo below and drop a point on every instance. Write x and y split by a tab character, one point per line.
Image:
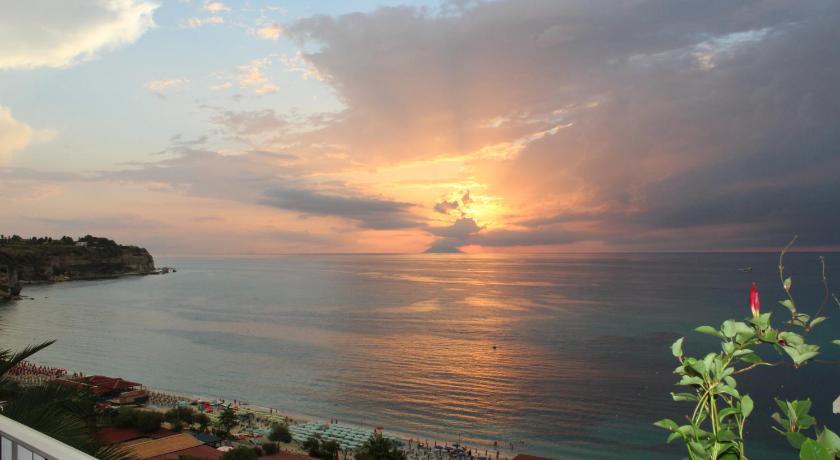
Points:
260	420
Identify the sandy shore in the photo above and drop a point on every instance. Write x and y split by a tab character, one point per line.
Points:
265	417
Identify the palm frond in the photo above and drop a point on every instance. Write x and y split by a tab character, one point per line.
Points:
114	453
10	359
50	420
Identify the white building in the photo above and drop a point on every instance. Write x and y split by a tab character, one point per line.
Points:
18	441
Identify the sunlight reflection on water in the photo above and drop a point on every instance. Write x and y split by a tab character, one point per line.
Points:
580	366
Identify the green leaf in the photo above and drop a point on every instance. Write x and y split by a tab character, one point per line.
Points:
728	347
728	390
752	358
788	283
795	438
727	412
667	424
698	448
785	407
792	338
746	406
801	407
686	380
728	328
770	335
801	318
801	353
836	342
829	440
730	381
709	330
811	450
763	320
816	321
676	348
726	436
787	303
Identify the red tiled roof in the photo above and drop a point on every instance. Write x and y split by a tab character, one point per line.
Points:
112	435
99	384
529	457
163	446
199	451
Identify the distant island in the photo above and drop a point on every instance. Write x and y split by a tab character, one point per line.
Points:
41	260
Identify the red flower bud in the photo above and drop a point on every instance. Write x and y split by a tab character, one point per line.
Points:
755	304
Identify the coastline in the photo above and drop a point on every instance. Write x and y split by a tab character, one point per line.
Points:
85	278
274	415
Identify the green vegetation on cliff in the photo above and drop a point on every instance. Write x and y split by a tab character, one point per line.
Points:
46	259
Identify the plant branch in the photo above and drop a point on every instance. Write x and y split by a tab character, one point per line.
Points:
753	366
782	269
825	290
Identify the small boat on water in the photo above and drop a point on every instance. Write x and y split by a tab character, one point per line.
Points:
745	269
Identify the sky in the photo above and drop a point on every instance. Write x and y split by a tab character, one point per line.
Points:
261	127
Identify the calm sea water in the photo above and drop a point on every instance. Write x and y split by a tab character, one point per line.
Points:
580	369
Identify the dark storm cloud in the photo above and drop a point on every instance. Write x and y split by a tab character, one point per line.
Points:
372	213
682	120
268	179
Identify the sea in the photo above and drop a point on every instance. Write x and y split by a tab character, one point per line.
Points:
559	355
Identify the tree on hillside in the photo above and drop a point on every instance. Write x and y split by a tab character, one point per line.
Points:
324	450
227	420
202	420
378	447
280	433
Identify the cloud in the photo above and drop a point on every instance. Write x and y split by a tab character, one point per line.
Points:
216	7
454	236
297	64
251	122
251	76
96	224
453	205
267	179
270	32
159	87
369	212
16	135
633	124
221	86
192	23
61	33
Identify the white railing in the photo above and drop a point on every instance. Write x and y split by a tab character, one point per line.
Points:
19	442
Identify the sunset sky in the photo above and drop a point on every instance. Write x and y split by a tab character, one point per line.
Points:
204	127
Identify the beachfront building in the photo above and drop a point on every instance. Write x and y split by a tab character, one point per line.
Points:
18	441
159	444
116	391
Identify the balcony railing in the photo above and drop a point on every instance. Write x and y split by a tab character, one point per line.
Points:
19	442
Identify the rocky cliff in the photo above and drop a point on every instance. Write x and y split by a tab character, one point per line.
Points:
45	260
